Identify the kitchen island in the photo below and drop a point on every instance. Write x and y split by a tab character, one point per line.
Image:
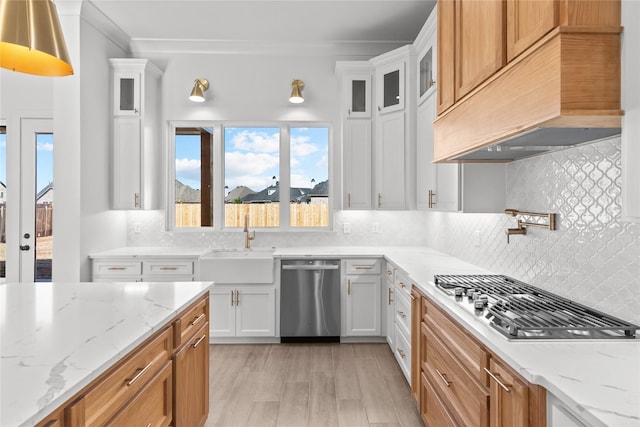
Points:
57	338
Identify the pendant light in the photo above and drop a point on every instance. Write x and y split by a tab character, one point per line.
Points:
31	40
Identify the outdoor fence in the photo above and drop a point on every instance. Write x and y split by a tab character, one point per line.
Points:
261	215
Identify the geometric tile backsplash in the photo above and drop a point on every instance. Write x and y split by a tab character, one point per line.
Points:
593	257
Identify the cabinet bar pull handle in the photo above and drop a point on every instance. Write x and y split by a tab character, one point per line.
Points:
348	286
364	268
135	200
402	285
431	202
197	343
237	297
496	379
169	268
349	200
389	272
197	319
389	296
413	297
401	353
401	313
141	372
116	268
232	297
149	425
443	378
379	200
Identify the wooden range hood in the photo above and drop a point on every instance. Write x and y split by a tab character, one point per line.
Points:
564	91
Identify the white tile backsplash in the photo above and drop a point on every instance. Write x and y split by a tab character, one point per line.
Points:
593	257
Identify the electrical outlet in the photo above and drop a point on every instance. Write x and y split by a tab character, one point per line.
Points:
476	238
346	228
137	228
375	227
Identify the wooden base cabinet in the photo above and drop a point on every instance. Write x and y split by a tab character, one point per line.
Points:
162	382
191	406
457	381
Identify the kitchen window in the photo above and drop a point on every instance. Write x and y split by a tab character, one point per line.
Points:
274	175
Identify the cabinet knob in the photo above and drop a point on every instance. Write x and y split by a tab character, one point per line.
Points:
431	83
379	108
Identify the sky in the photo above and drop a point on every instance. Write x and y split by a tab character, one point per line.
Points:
44	159
252	157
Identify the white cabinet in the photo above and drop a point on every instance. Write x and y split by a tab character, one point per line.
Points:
402	322
558	415
394	152
361	289
631	107
136	134
355	84
243	311
468	187
143	269
389	306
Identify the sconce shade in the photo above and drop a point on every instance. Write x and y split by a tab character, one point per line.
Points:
199	86
296	92
31	40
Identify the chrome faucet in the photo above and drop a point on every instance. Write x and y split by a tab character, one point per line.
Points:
247	236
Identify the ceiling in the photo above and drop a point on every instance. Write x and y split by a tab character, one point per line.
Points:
268	21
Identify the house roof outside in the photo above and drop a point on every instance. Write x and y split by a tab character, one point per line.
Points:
239	192
186	194
40	197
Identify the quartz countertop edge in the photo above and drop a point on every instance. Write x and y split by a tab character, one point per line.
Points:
74	333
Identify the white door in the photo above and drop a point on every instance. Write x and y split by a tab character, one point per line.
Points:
222	312
390	162
34	199
363	305
256	311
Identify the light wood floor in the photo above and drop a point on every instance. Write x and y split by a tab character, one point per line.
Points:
346	385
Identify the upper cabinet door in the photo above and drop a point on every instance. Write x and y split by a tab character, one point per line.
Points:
126	94
479	42
426	73
527	22
390	87
446	55
357	90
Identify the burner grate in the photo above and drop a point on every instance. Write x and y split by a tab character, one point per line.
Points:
519	310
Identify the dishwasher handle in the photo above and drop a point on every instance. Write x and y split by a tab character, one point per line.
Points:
311	267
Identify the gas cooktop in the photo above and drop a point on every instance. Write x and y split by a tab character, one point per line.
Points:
520	311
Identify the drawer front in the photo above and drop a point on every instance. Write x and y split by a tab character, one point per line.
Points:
403	353
433	410
169	268
468	351
403	284
469	401
117	268
190	320
403	312
390	273
363	266
129	377
153	406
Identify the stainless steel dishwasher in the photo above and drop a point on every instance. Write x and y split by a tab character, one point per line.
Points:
310	301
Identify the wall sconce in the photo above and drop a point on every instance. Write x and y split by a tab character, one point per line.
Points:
199	86
31	40
296	92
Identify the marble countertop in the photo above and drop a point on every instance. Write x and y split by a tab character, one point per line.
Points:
55	338
149	251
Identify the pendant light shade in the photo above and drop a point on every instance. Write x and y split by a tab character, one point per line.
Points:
31	40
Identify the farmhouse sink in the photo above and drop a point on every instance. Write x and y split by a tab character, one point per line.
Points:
238	266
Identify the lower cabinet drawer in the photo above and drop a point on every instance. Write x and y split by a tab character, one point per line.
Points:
403	311
153	406
117	268
190	321
363	266
120	385
169	268
434	412
403	352
467	398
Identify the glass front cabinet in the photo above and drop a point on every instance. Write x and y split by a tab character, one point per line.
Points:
390	87
357	89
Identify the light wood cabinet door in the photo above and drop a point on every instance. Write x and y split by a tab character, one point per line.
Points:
479	42
192	381
152	406
527	22
433	410
416	321
509	397
446	55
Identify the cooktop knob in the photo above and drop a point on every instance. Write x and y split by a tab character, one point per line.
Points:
458	291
